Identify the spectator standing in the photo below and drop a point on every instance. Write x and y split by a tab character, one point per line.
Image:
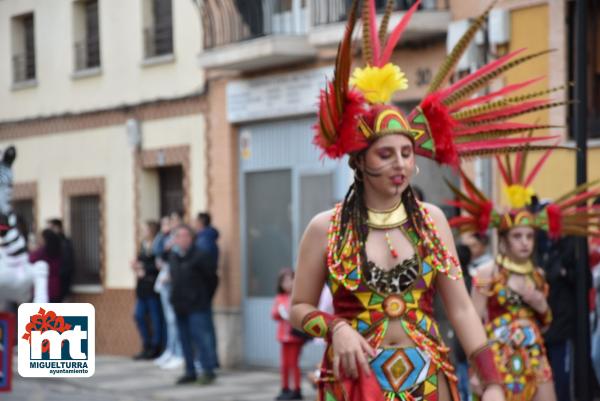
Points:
478	244
291	344
67	267
172	357
193	279
49	251
206	240
148	314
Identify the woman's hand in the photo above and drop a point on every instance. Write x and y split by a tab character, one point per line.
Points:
493	392
350	350
535	299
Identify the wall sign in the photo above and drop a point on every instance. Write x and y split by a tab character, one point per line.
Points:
276	96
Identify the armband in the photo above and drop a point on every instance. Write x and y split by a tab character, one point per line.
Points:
484	364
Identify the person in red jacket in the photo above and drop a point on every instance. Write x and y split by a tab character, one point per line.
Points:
291	344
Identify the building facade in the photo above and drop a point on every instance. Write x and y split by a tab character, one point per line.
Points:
104	103
124	111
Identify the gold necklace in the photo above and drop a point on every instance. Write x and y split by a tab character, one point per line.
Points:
514	267
386	219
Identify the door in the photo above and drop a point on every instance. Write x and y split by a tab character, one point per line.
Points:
283	185
171	190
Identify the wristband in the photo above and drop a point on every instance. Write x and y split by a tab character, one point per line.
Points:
483	362
320	324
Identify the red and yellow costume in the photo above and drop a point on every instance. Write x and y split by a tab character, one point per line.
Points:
449	123
512	324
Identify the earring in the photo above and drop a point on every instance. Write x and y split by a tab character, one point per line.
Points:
417	170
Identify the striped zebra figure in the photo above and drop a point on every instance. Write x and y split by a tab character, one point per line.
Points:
19	279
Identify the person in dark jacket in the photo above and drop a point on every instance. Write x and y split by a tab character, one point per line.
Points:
206	240
557	258
49	251
67	267
194	281
147	307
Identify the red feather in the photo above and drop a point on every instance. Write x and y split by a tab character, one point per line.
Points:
504	91
481	129
507	111
554	220
441	124
498	143
342	134
480	72
502	170
537	168
397	34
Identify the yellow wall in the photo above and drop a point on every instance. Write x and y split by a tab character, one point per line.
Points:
530	29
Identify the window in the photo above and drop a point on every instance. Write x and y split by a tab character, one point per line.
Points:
86	34
171	190
24	209
158	32
86	236
23	42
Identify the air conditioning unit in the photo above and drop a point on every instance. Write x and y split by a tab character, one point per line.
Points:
499	27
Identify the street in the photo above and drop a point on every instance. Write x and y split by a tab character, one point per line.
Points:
122	379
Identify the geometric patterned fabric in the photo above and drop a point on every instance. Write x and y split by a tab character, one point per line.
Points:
411	373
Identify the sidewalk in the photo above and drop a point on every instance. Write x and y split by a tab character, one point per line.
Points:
122	379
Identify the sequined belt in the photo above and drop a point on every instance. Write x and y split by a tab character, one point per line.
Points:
403	369
516	335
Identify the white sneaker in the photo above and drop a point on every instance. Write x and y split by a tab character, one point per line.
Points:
163	358
173	363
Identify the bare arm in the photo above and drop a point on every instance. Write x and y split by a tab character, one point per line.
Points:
311	269
458	305
350	349
480	286
459	308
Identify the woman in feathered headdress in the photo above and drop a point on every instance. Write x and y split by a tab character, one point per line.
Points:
382	253
510	292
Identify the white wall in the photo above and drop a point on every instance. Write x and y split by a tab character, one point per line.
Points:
123	79
102	152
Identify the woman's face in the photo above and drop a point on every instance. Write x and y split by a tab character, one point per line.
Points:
388	165
519	242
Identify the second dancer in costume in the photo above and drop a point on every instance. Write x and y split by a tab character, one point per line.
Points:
510	293
382	253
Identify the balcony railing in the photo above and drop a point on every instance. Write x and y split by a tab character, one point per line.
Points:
231	21
158	40
334	11
23	67
87	54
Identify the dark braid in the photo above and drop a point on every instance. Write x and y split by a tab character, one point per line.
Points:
412	210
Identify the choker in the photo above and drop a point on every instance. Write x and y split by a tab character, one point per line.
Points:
387	219
514	267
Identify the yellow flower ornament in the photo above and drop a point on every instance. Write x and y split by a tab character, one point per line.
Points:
378	84
519	196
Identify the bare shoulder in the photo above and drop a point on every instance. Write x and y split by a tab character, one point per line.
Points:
436	213
319	225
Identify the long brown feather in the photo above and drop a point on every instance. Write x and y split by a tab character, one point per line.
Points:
452	59
343	60
367	51
385	20
503	150
479	83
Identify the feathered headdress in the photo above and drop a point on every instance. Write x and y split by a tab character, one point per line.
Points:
448	124
570	214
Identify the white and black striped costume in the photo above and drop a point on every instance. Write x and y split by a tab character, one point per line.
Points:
18	277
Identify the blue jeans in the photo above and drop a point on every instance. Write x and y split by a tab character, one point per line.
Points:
173	345
462	372
195	331
559	356
149	307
